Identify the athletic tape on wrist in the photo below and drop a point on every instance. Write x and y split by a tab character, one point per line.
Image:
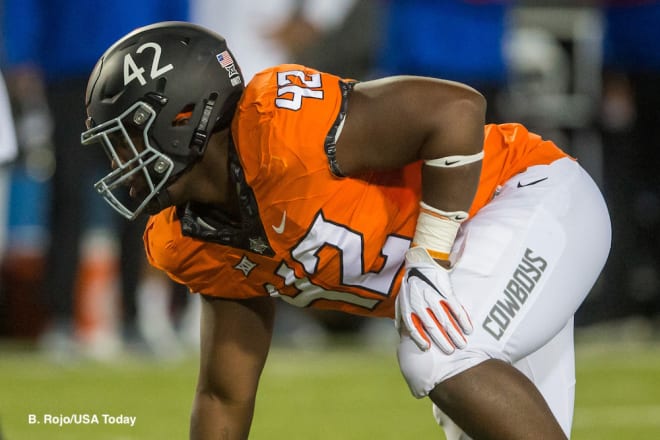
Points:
455	161
436	230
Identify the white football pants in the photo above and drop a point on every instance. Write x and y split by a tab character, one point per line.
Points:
522	267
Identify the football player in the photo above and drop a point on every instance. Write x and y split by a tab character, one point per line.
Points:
386	198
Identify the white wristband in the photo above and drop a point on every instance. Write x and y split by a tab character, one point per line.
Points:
437	229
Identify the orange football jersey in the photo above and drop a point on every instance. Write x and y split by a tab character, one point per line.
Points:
335	242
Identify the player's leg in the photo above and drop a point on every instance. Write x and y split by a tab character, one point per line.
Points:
451	429
552	370
494	400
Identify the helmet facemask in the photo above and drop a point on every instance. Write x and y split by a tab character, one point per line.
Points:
140	172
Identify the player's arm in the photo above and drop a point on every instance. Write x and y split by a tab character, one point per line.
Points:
395	121
235	339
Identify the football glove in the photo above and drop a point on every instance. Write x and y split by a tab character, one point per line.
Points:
427	307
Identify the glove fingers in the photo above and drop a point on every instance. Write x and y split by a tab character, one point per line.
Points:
465	321
441	339
444	331
415	327
459	315
423	330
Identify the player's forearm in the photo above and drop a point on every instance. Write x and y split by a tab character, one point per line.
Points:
451	189
446	199
452	156
214	419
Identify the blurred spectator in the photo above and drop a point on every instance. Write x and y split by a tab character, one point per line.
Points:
631	127
247	26
53	46
461	40
346	44
8	153
264	34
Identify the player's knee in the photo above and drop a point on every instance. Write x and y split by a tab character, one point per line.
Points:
417	367
423	370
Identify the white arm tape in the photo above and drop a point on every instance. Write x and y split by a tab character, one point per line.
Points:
436	230
457	216
455	161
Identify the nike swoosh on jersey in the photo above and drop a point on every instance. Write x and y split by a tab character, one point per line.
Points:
414	272
280	229
522	185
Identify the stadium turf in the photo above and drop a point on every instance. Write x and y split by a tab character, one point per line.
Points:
344	392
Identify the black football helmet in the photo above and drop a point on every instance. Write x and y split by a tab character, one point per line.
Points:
152	101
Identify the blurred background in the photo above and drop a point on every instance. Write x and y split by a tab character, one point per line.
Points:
74	283
72	273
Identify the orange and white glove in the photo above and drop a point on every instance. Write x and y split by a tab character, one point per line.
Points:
427	307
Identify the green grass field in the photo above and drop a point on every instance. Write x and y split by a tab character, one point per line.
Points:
339	393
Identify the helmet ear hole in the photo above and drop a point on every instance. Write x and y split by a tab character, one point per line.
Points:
184	115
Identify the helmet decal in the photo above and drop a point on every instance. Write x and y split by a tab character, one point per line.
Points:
132	71
227	62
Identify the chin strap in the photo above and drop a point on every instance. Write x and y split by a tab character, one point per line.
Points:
161	201
212	223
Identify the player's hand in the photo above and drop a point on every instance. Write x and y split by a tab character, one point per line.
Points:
427	307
